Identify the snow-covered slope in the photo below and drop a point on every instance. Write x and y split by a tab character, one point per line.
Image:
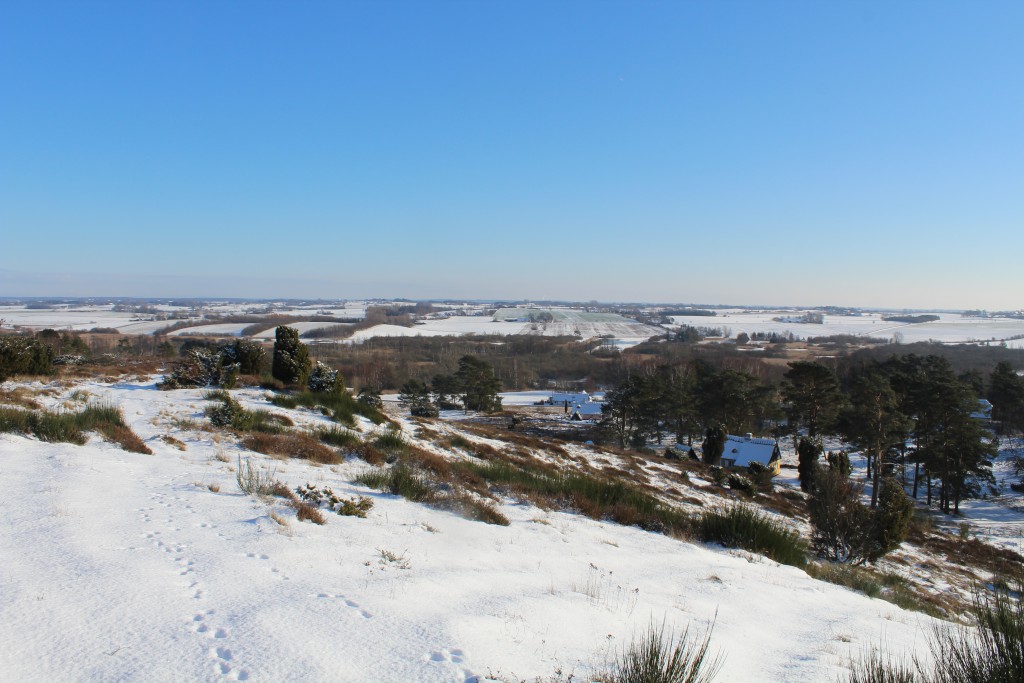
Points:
120	566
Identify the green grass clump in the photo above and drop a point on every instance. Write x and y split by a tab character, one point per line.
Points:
229	413
844	575
340	407
660	657
744	527
472	508
400	480
391	441
342	438
889	587
45	426
875	668
990	652
69	427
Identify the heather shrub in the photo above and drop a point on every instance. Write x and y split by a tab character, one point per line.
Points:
325	497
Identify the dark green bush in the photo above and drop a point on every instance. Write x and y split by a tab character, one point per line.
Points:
291	364
24	356
326	380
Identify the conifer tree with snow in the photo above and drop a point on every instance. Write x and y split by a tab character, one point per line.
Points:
326	380
292	364
249	355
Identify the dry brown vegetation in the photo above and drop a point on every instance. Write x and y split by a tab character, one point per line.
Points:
291	445
19	396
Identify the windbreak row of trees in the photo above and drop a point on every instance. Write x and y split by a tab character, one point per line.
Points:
909	414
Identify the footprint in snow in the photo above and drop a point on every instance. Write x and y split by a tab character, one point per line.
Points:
223	657
454	656
274	570
348	603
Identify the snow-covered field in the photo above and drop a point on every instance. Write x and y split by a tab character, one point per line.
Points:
632	332
120	566
222	329
950	328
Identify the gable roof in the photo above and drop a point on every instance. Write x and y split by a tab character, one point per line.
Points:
743	450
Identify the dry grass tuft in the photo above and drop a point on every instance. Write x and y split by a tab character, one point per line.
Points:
296	445
19	396
177	443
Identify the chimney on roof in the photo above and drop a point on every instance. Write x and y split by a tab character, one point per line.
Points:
748	436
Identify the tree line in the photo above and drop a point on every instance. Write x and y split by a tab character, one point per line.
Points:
905	412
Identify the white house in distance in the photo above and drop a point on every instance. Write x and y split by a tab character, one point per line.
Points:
741	451
569	398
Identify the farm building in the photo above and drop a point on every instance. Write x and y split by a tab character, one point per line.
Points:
569	398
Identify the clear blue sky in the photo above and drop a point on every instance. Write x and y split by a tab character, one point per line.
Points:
853	153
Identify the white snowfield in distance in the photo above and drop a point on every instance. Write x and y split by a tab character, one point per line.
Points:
618	331
950	328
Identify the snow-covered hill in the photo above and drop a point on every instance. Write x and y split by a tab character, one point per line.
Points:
121	566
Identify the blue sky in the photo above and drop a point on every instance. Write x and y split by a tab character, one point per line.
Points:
848	153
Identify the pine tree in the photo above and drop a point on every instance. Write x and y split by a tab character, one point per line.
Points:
478	385
1006	392
812	397
415	395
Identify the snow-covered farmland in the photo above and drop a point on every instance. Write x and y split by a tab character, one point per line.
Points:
950	328
120	566
220	330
